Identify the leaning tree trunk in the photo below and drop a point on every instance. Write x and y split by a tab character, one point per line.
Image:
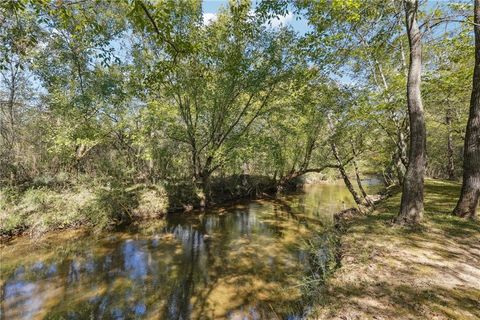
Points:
359	179
362	205
467	203
411	208
358	200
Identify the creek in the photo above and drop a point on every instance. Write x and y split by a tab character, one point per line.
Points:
241	261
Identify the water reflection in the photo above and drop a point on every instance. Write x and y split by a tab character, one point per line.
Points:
242	262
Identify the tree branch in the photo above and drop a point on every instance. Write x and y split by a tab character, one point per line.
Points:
155	27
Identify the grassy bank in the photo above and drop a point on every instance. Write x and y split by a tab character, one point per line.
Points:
37	210
389	272
54	204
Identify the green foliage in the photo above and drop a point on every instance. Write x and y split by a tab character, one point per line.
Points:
112	206
41	209
49	205
116	94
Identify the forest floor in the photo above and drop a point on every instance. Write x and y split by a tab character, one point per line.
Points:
389	272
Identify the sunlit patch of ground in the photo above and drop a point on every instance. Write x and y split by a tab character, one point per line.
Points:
429	272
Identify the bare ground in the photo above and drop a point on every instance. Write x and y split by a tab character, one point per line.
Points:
388	272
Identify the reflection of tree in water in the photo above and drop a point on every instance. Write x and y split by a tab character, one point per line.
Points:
178	271
178	304
203	263
224	267
73	271
24	293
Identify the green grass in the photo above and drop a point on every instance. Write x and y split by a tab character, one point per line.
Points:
426	271
440	199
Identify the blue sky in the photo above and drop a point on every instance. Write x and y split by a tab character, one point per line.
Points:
211	7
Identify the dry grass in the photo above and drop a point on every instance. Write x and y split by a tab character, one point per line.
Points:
388	272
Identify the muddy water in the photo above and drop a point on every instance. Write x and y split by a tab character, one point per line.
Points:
244	261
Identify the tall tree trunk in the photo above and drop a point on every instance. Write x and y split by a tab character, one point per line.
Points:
202	184
402	148
450	162
201	176
395	169
399	167
411	208
400	156
467	203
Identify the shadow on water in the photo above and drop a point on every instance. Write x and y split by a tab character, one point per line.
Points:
242	261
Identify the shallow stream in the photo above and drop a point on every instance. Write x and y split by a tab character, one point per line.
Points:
243	261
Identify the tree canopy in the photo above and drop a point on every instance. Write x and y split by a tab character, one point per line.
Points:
148	91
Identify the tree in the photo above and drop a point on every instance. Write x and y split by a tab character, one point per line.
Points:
447	75
341	166
18	35
411	207
213	93
296	145
349	135
82	78
148	92
467	203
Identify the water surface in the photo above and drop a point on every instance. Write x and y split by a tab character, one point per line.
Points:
244	261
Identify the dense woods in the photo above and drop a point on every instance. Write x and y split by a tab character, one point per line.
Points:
289	159
115	99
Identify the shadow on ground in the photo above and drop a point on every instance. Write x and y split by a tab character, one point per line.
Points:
427	272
